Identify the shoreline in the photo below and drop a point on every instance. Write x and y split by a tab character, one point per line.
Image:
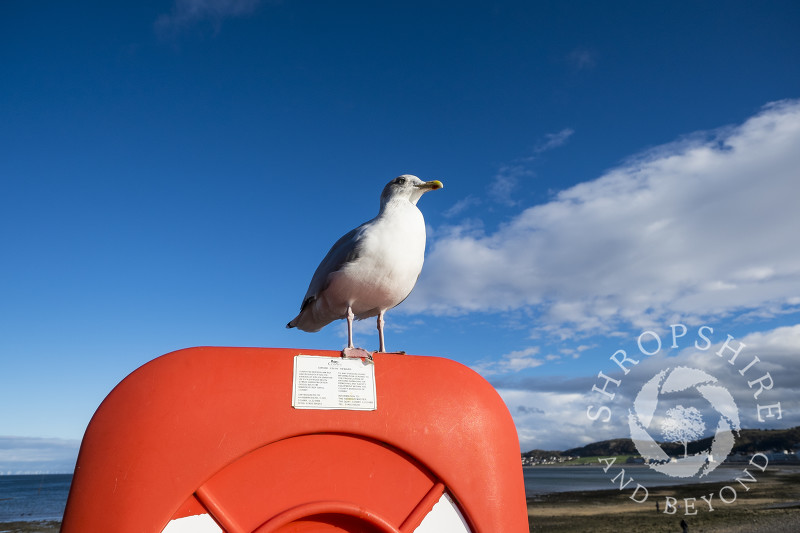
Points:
553	479
35	526
771	504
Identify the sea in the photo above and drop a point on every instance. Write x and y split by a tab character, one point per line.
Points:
44	497
33	497
548	479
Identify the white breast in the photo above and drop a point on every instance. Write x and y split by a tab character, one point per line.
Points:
388	266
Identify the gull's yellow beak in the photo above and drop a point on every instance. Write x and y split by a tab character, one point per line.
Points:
431	185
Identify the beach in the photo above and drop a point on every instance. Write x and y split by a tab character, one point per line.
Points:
39	526
772	504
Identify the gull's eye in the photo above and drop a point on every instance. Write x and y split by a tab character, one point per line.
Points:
400	181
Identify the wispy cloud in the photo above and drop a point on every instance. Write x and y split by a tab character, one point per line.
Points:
704	227
505	183
553	140
582	59
460	206
29	455
510	362
506	180
185	13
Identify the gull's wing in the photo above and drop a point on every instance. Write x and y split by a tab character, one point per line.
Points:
345	250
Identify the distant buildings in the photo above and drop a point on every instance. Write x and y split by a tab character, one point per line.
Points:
791	456
774	456
546	460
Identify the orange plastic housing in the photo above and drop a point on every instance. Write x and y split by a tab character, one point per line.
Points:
212	431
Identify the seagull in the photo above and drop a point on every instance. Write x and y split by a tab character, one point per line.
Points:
372	268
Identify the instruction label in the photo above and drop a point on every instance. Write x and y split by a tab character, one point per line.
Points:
333	383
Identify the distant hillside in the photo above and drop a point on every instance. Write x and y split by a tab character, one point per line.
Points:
748	441
754	440
606	447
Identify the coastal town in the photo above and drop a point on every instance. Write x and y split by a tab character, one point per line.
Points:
777	446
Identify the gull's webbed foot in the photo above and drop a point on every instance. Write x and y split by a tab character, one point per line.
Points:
356	353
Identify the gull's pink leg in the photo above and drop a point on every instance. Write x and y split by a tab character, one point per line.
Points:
350	317
381	322
351	352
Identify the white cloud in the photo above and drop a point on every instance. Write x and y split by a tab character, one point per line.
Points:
510	362
704	227
766	357
551	412
30	455
554	140
772	358
549	420
187	12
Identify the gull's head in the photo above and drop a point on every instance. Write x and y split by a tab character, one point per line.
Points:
407	187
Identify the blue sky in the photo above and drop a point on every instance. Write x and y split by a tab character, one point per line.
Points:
172	173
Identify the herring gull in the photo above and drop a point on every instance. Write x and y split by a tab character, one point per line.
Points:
372	268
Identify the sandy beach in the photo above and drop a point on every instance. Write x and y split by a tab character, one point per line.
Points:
772	504
42	526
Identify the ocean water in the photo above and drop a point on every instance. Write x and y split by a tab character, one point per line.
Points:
548	479
33	497
44	497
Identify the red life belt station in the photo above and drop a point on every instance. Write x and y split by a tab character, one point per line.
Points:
241	440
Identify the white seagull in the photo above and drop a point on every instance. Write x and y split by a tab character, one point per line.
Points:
372	268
